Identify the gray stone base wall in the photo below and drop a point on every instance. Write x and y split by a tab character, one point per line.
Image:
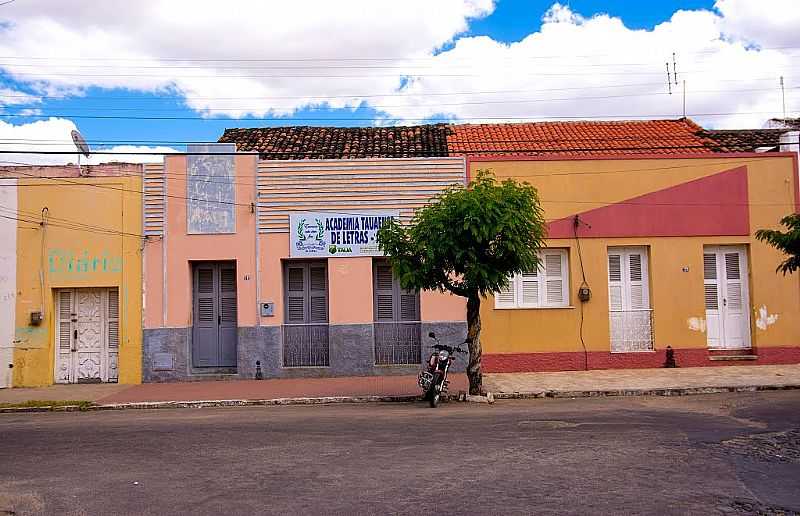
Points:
167	353
451	334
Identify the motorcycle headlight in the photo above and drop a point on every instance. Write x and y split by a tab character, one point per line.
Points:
443	355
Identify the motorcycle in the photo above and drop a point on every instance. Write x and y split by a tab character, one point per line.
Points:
433	379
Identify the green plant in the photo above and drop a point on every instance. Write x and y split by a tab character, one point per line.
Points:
468	241
788	242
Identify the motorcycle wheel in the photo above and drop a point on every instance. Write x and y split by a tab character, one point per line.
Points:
434	394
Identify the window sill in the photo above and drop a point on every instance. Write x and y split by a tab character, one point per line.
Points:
566	307
631	352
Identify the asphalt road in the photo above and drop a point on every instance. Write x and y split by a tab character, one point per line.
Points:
717	454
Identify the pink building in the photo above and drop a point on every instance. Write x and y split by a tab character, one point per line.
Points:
252	261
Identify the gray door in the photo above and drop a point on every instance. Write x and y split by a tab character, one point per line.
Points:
215	322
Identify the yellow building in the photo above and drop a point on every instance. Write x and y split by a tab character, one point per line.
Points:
645	253
78	274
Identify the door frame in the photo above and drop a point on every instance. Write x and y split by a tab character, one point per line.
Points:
744	278
105	354
216	264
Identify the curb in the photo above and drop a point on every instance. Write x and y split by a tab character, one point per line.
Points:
669	391
145	405
330	400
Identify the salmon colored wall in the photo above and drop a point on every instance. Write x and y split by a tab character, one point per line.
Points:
113	203
350	290
438	307
183	248
272	249
676	296
153	283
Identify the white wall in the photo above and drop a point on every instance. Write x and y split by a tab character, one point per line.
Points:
790	142
8	276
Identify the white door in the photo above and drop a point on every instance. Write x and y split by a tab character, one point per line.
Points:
629	300
726	297
87	335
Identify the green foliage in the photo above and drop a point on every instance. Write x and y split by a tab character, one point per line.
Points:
788	242
49	404
468	240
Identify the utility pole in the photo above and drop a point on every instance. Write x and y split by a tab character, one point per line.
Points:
783	98
684	98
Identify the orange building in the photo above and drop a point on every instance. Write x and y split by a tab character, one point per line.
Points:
650	247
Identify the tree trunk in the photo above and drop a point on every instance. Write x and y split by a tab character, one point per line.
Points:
474	335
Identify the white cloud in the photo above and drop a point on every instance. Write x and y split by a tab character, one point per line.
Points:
769	24
11	97
384	54
53	135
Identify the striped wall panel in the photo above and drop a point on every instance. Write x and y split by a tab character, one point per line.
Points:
154	199
350	185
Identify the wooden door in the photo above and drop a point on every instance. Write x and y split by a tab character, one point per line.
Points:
214	330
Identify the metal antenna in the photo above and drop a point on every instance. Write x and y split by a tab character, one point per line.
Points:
783	97
674	69
669	80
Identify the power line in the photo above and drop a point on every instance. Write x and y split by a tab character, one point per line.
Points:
348	58
451	140
72	225
544	151
430	119
356	76
437	104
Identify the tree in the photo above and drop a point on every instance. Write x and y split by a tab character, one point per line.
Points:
468	241
788	242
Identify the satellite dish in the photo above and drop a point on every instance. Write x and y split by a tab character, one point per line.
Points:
80	143
82	146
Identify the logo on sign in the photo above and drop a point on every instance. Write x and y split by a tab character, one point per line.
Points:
310	236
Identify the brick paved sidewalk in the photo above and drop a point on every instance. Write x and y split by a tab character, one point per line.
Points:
230	390
607	381
645	379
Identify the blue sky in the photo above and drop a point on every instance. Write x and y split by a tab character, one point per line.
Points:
453	48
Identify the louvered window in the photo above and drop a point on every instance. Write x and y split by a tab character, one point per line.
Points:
306	292
305	333
391	301
547	287
65	320
629	300
710	281
396	312
113	318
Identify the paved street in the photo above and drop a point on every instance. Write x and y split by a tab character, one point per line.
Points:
711	454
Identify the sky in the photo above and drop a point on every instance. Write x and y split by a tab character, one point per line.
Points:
152	75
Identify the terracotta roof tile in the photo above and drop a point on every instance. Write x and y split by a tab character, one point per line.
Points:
579	138
306	142
743	140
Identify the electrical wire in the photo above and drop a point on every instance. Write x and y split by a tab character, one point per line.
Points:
438	104
350	58
429	119
577	221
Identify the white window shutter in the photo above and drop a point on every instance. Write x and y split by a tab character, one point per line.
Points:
554	279
529	289
711	286
507	298
637	280
615	283
733	279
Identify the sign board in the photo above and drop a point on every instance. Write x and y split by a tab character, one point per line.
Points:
330	234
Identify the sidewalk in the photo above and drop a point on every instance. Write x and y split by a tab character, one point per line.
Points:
400	388
691	380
